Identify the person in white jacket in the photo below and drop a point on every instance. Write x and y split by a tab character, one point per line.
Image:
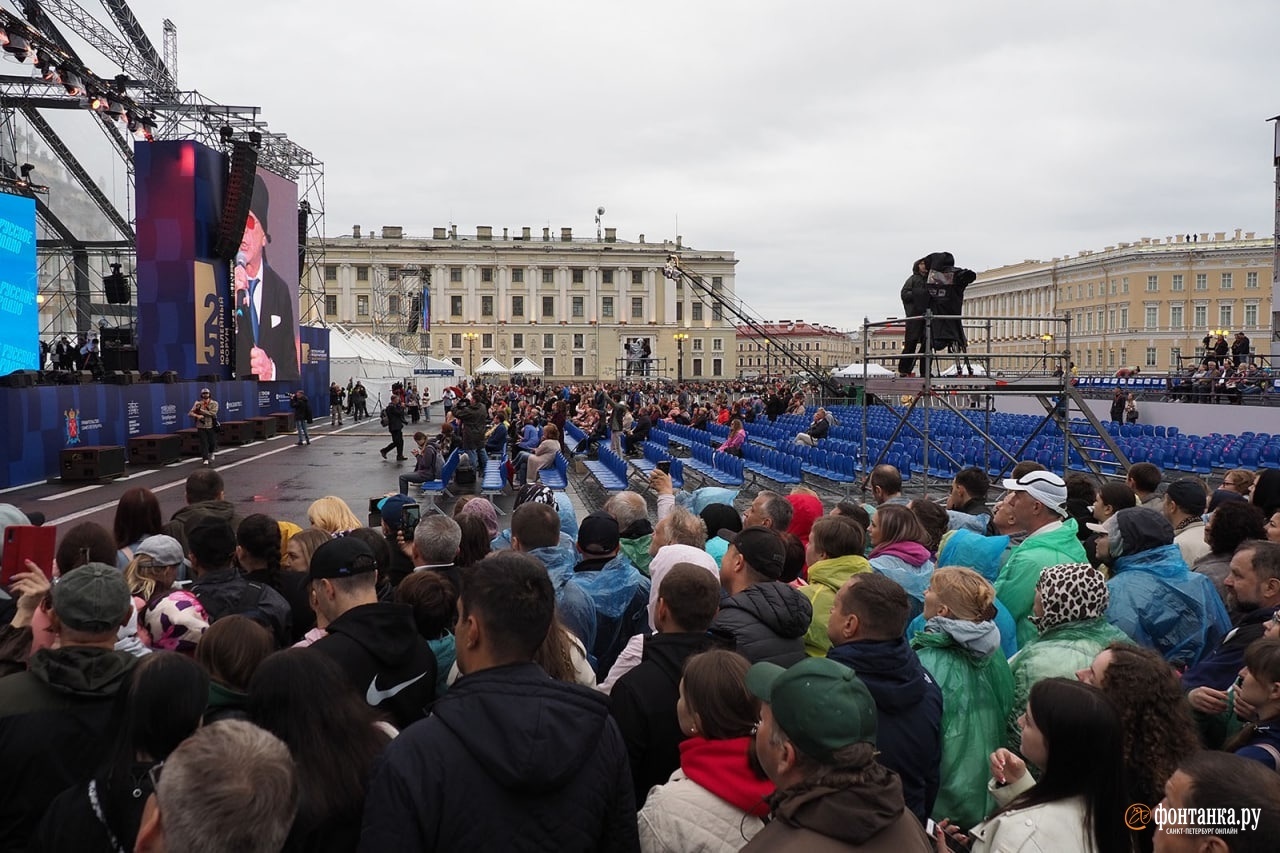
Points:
716	801
1072	731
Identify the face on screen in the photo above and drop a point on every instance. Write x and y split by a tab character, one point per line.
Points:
252	243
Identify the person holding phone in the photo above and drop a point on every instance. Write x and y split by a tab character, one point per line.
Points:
205	413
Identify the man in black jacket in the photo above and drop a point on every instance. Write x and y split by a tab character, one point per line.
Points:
509	758
644	700
866	630
766	618
395	425
376	642
471	417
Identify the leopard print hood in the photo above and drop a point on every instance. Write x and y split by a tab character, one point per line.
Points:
1070	592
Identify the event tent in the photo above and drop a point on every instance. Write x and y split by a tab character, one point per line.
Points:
491	366
858	370
526	367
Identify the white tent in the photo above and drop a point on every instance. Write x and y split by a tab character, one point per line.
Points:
958	370
356	356
857	371
491	366
527	367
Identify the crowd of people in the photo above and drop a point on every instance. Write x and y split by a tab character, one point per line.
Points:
663	673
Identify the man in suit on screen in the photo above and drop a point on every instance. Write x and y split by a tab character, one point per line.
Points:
266	332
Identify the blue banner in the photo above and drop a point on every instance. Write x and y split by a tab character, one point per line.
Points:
19	313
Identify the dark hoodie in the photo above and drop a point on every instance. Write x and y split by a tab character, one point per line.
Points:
187	517
509	759
55	729
865	815
768	622
386	659
908	714
643	702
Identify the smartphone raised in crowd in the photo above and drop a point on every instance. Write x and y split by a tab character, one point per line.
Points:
24	542
665	466
409	518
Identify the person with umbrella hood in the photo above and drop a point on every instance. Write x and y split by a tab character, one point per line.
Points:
1155	598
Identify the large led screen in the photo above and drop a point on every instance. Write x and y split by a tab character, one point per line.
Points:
19	314
265	282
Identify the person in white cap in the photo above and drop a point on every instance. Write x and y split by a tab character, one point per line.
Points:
1038	502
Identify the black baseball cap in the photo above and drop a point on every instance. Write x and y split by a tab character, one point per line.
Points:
761	547
343	557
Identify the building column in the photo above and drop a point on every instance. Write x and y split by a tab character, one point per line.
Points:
501	274
651	295
593	295
669	301
562	309
470	309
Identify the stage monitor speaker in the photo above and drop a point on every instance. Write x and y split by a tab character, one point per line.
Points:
109	337
20	379
237	201
92	463
169	377
120	358
123	377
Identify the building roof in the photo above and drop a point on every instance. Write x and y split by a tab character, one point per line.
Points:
792	328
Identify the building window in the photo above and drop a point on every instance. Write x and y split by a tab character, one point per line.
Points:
1091	290
637	276
1113	287
1152	316
717	367
455	274
1251	280
455	340
1153	284
697	344
548	366
717	313
393	303
1251	315
717	344
393	273
577	304
606	306
1124	355
1175	317
1227	281
697	367
606	276
330	305
362	306
330	272
679	312
577	275
1175	284
548	341
517	340
486	306
424	341
697	312
517	276
1224	316
548	276
1151	357
362	273
637	308
457	360
486	340
486	273
1124	284
1124	319
1088	358
579	366
548	306
717	282
1201	316
1202	281
578	341
517	306
455	306
1111	358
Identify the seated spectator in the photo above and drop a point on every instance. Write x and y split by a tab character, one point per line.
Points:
967	500
635	437
1070	614
737	438
717	797
806	508
1155	599
1111	498
1265	491
1211	781
886	486
1230	525
816	431
866	627
960	648
231	652
834	555
1259	691
230	786
565	787
816	741
766	618
643	701
544	456
1184	505
933	520
55	717
1073	734
898	551
162	706
1144	478
634	528
1158	730
304	699
427	462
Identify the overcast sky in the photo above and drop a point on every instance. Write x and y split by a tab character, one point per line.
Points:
827	144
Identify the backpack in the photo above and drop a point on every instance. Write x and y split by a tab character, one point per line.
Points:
465	473
382	418
432	455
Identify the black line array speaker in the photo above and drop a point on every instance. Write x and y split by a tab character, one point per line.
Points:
237	201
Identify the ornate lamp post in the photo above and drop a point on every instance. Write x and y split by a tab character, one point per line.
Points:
680	338
471	338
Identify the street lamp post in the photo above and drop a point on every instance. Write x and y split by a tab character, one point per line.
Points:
470	338
1044	341
680	337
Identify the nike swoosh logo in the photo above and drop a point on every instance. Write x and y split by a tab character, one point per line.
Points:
374	696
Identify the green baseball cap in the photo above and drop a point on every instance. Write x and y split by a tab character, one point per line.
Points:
92	598
821	705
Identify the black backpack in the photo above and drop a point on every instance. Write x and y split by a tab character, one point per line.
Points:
465	473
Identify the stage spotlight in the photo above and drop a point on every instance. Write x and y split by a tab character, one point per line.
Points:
17	47
114	108
97	102
72	83
255	138
26	169
226	134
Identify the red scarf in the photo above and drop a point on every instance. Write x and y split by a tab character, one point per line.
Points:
721	767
